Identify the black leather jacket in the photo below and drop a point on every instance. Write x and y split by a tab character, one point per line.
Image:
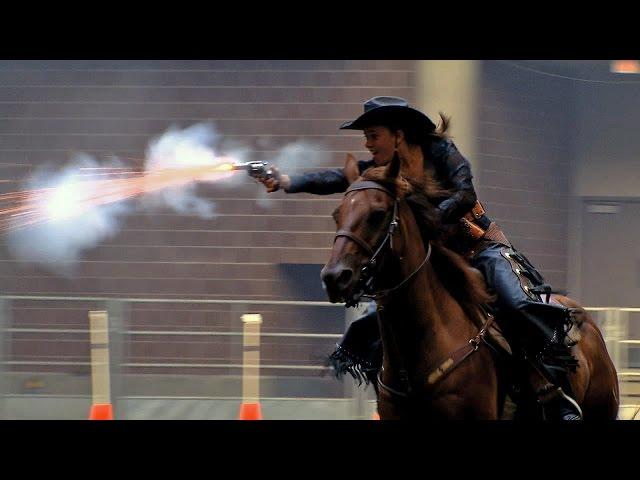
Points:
450	168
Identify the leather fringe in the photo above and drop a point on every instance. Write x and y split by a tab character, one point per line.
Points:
343	362
558	356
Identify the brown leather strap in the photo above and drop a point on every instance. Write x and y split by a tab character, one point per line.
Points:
495	234
355	238
548	393
468	224
471	229
368	185
449	364
476	212
457	357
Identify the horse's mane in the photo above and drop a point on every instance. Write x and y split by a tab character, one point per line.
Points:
452	269
466	286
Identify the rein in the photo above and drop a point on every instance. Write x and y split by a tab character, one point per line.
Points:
383	293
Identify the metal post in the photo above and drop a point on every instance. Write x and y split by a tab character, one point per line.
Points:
623	333
117	345
5	323
614	330
231	381
610	334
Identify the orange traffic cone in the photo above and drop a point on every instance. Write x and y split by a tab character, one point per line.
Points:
250	411
101	411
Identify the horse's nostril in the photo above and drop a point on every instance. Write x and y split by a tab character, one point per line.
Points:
344	278
336	279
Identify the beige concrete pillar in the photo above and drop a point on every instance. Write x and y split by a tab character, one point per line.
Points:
452	87
100	375
251	357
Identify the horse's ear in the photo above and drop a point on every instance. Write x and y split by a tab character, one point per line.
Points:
393	169
351	168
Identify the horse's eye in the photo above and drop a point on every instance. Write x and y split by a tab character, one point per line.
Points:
376	217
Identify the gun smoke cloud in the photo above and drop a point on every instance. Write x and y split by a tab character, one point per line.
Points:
71	228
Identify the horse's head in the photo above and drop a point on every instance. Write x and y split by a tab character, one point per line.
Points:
366	220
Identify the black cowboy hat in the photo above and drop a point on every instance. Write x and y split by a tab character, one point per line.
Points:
385	110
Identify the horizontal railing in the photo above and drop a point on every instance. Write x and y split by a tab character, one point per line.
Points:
614	322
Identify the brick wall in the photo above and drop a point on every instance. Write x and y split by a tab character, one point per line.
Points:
52	109
524	148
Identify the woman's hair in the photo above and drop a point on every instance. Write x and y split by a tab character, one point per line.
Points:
417	137
420	136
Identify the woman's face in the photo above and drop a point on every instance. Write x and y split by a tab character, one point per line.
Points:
381	142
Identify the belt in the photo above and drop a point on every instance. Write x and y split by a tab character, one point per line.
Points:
492	235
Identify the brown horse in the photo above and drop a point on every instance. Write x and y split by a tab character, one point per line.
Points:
437	361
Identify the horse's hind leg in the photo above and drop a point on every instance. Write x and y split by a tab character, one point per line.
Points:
596	382
601	395
601	401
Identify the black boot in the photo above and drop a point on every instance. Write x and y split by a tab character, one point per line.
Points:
555	361
557	397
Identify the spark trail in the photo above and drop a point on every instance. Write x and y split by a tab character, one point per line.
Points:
97	186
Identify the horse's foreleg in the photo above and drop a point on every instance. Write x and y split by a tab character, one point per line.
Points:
390	410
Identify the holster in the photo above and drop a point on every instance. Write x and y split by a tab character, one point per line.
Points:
469	222
472	228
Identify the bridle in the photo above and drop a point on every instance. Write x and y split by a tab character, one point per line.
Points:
365	287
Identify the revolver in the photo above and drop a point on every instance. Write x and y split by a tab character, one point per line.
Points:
257	169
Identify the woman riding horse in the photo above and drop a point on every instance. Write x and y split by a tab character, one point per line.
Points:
393	128
440	357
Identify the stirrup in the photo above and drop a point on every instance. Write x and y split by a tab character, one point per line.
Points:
553	394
